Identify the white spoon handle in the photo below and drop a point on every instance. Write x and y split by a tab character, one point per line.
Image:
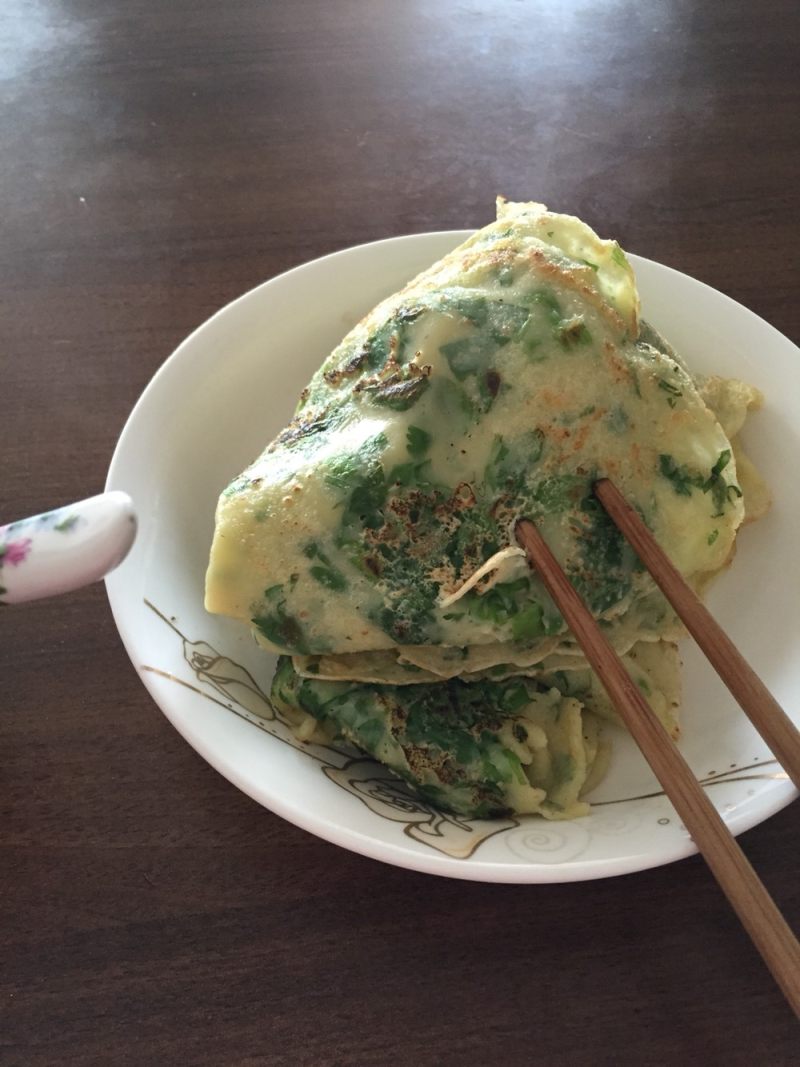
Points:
64	549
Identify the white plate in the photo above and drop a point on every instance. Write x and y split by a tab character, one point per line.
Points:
210	410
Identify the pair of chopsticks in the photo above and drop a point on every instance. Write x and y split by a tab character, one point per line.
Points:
752	903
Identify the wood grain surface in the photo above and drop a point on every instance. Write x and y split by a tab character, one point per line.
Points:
159	158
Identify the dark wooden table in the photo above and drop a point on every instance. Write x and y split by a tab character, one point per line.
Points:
159	158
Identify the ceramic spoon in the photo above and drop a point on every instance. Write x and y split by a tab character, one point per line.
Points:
64	549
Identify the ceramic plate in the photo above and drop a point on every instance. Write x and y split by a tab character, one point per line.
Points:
210	410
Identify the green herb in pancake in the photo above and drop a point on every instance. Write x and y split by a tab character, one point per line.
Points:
481	750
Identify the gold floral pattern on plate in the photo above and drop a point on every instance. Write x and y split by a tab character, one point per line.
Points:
231	686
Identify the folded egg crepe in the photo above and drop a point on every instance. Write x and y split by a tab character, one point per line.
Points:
372	543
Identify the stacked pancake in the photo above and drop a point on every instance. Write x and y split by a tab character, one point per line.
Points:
372	543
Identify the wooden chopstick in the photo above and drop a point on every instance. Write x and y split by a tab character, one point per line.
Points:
751	901
761	707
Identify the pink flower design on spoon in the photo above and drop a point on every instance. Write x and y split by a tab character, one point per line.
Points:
15	552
